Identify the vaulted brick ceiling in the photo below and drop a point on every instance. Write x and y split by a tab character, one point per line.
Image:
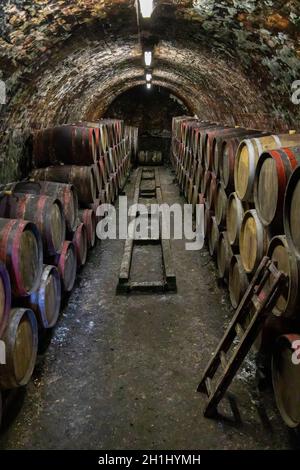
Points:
232	60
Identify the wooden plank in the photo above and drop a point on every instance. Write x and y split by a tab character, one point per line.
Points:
168	263
126	261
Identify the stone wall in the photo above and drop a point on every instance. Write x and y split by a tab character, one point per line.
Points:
64	60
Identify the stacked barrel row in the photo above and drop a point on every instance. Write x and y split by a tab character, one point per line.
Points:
249	183
44	239
94	156
47	225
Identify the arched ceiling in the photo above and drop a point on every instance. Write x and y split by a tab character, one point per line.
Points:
231	60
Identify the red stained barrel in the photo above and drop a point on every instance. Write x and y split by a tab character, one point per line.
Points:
44	211
80	240
5	298
272	174
88	218
68	144
22	253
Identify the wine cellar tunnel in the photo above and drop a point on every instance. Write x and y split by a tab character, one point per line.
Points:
197	104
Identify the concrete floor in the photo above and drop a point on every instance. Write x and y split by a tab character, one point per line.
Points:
122	371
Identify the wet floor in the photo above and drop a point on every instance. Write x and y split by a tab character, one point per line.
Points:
121	371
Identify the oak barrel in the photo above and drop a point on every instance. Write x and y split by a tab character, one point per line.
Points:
286	261
203	141
207	219
286	378
46	212
271	177
205	182
88	218
221	204
218	141
212	192
45	301
234	217
82	177
247	157
21	342
22	253
223	164
253	241
69	144
224	255
66	264
5	297
80	241
291	211
238	281
213	237
66	193
98	179
211	143
226	162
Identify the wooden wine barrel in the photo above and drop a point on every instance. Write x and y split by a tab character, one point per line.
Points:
5	298
80	241
88	218
103	172
111	132
82	177
217	144
207	219
253	241
22	253
286	261
46	212
227	148
213	237
93	129
221	204
195	139
212	192
247	157
271	177
286	378
211	142
98	178
66	264
229	142
205	183
149	158
198	175
66	193
203	141
226	162
224	255
234	217
186	126
45	302
21	342
238	281
68	144
291	211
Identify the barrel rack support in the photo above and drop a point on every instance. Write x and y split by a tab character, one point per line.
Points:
150	190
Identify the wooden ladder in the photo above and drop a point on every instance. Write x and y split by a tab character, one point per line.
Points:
262	294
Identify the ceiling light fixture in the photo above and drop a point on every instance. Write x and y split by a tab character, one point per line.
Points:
148	86
148	77
148	58
146	8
